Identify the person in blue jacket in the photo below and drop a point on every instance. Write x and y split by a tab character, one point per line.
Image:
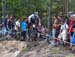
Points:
24	29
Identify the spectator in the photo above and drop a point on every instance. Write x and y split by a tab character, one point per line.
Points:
24	29
57	21
1	26
71	22
63	31
70	30
55	26
10	24
73	40
6	25
16	27
1	23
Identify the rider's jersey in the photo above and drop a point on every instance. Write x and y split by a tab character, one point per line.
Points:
33	19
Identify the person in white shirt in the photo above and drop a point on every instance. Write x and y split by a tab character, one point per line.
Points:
17	25
63	31
16	28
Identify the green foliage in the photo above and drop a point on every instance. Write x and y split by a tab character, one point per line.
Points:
72	5
26	7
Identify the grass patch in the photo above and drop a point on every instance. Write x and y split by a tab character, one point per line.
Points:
55	50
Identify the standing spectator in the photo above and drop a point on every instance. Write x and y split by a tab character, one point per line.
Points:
1	23
55	29
6	22
1	26
11	24
59	23
55	26
24	29
63	31
73	39
17	25
70	30
71	22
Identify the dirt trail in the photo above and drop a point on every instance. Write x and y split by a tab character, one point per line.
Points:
32	49
43	49
11	48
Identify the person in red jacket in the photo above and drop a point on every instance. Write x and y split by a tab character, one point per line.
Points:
71	23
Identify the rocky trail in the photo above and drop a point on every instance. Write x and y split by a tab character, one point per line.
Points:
43	49
32	49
